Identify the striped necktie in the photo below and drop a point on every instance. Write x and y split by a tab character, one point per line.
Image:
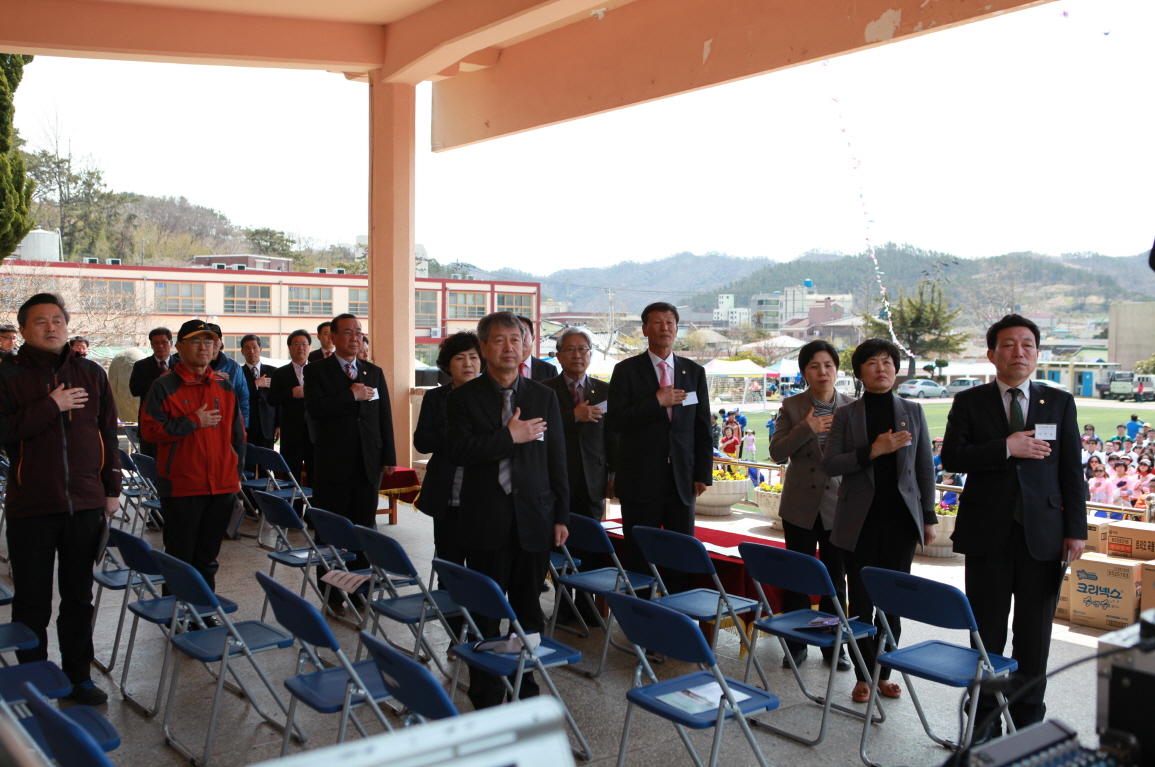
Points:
504	466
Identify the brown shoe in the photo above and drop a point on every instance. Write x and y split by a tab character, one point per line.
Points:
889	689
861	692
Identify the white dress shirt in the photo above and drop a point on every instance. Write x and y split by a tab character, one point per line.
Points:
300	371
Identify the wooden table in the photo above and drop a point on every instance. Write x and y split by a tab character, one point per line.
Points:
401	485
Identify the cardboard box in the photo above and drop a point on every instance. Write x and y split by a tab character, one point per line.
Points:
1133	540
1105	591
1063	610
1147	601
1097	534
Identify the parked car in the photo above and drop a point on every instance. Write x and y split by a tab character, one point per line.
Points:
961	384
1052	384
920	387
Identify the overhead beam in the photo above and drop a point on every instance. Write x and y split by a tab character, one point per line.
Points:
651	49
125	31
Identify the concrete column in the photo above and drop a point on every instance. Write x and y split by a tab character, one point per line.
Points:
392	119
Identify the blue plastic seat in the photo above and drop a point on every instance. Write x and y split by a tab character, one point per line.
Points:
685	553
15	636
341	539
45	675
279	514
586	534
244	639
77	737
477	593
792	571
150	503
409	682
392	568
123	579
651	626
944	606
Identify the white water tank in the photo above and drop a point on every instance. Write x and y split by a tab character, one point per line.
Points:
39	245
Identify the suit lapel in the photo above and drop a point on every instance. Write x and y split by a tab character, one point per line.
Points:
904	421
1000	409
648	372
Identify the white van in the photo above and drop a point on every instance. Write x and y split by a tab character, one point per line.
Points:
844	384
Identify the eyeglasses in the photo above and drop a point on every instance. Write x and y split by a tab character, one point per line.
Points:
304	344
350	334
576	350
200	342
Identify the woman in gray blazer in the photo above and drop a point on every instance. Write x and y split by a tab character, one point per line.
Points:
880	447
809	497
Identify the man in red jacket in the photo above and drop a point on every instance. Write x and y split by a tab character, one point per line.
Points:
193	417
58	424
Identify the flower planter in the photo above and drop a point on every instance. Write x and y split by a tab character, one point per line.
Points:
768	504
943	546
720	496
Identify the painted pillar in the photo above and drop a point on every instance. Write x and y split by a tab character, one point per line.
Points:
392	119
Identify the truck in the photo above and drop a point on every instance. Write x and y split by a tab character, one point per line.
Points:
1126	385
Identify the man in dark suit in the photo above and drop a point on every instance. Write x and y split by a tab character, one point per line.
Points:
348	402
287	394
1023	513
325	338
659	410
262	413
514	492
532	367
147	370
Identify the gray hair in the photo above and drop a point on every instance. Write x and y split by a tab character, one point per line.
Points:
497	320
574	332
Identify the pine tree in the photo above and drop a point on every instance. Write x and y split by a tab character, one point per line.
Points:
924	323
15	186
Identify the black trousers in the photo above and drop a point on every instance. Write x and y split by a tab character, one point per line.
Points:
34	544
663	508
256	438
991	582
299	456
519	573
879	545
355	499
446	547
193	528
805	541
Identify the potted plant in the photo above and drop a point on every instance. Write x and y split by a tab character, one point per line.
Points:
943	545
729	487
768	498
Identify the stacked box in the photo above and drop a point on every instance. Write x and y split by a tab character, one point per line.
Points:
1063	610
1133	540
1148	599
1105	591
1097	534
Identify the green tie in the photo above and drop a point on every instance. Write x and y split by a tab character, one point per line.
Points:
1017	424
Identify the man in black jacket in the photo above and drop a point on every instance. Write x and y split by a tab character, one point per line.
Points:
1023	515
531	366
504	429
324	337
262	413
660	412
58	425
7	342
348	402
147	370
287	394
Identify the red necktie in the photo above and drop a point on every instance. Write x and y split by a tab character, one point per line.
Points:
349	370
525	369
574	389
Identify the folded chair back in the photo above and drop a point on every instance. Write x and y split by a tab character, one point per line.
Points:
269	460
126	461
408	681
278	511
475	592
68	741
145	467
297	615
786	569
184	581
588	535
134	552
920	599
676	551
660	629
384	552
334	529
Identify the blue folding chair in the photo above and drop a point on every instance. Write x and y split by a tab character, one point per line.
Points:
792	571
586	534
937	604
340	538
212	645
76	736
150	502
685	553
477	593
13	636
150	607
410	683
392	568
281	516
697	700
124	579
344	688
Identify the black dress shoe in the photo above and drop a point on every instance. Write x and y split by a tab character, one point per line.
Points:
993	730
843	661
799	656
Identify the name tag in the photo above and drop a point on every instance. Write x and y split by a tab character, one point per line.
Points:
1046	431
691	398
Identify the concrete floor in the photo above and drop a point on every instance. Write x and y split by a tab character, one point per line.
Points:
598	705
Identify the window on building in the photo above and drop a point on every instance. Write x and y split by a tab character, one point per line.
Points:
180	298
464	306
315	302
427	353
247	299
518	303
107	295
232	347
359	301
425	309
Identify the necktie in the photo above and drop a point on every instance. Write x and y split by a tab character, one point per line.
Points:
525	369
663	382
163	365
256	372
576	391
503	466
1017	424
349	370
326	352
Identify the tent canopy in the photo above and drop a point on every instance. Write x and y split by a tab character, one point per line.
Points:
734	369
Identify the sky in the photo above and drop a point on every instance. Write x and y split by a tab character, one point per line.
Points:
1030	131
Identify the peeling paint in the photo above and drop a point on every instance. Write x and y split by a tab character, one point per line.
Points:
884	28
706	49
924	4
917	27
